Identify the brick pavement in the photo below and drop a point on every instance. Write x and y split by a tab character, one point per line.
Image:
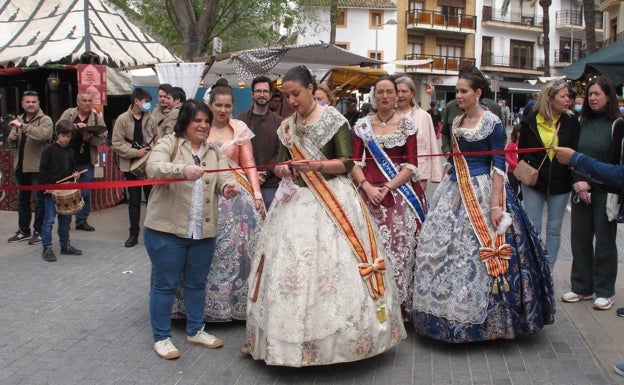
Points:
84	320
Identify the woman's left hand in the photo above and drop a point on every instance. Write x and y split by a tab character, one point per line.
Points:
496	215
230	190
260	207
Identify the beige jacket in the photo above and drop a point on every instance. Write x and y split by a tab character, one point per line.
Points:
123	134
38	133
168	207
430	167
94	120
167	125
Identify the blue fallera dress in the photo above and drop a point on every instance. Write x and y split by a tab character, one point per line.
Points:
455	299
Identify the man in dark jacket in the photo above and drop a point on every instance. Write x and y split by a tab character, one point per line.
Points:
264	124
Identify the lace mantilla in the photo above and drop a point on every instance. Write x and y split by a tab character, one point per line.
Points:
396	139
318	133
485	126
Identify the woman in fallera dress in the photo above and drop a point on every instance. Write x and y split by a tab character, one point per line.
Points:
320	292
481	272
387	176
240	218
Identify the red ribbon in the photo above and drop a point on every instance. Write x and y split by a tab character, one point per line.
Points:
136	183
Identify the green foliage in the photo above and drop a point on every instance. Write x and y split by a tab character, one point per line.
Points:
240	24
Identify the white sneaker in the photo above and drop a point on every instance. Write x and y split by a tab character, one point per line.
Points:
204	339
572	297
166	349
602	303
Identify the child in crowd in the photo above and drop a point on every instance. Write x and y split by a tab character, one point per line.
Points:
57	162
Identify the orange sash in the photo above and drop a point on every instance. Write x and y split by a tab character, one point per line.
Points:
243	182
495	253
371	268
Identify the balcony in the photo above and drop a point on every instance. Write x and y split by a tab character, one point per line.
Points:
574	19
493	17
562	57
439	64
419	19
513	64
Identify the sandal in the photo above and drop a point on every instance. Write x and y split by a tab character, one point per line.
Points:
244	349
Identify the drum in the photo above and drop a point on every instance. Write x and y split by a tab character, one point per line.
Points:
137	167
67	202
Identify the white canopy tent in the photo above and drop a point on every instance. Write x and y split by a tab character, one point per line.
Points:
35	33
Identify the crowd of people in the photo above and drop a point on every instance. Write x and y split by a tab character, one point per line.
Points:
358	238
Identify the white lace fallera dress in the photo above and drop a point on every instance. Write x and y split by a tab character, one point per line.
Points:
313	307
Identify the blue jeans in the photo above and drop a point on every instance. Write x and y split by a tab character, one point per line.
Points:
82	215
23	202
534	205
48	223
172	256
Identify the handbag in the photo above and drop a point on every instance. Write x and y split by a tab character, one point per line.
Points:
614	206
528	174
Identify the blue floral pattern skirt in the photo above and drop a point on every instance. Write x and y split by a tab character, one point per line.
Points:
454	300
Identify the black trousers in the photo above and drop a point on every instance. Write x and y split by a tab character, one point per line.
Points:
134	203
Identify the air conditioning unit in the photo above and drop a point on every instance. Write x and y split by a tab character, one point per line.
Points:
540	39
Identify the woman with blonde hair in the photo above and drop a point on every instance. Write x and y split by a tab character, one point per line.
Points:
324	96
429	161
551	124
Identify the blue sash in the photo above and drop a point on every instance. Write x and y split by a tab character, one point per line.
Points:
387	167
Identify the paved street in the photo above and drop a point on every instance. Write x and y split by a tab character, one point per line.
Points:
84	320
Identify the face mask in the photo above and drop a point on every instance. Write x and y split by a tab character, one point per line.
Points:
145	107
622	110
321	103
577	108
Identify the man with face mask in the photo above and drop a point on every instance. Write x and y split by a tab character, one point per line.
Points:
134	134
578	105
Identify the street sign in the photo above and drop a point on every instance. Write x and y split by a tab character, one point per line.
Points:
217	44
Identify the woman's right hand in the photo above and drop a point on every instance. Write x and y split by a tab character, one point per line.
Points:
375	194
192	172
282	171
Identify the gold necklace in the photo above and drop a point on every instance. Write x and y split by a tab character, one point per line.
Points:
383	122
303	118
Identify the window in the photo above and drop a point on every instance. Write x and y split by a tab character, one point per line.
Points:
376	19
521	54
341	18
450	11
487	52
375	55
342	45
414	5
450	48
414	47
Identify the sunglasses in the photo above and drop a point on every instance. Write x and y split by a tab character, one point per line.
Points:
196	160
30	93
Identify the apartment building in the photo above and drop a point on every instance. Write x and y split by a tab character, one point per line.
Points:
364	27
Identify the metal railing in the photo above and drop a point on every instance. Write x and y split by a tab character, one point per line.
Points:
490	59
439	63
569	17
438	19
519	18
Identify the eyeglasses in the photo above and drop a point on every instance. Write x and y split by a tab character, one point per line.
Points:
30	93
263	92
196	160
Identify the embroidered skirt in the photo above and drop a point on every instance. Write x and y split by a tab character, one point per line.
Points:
453	296
313	307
